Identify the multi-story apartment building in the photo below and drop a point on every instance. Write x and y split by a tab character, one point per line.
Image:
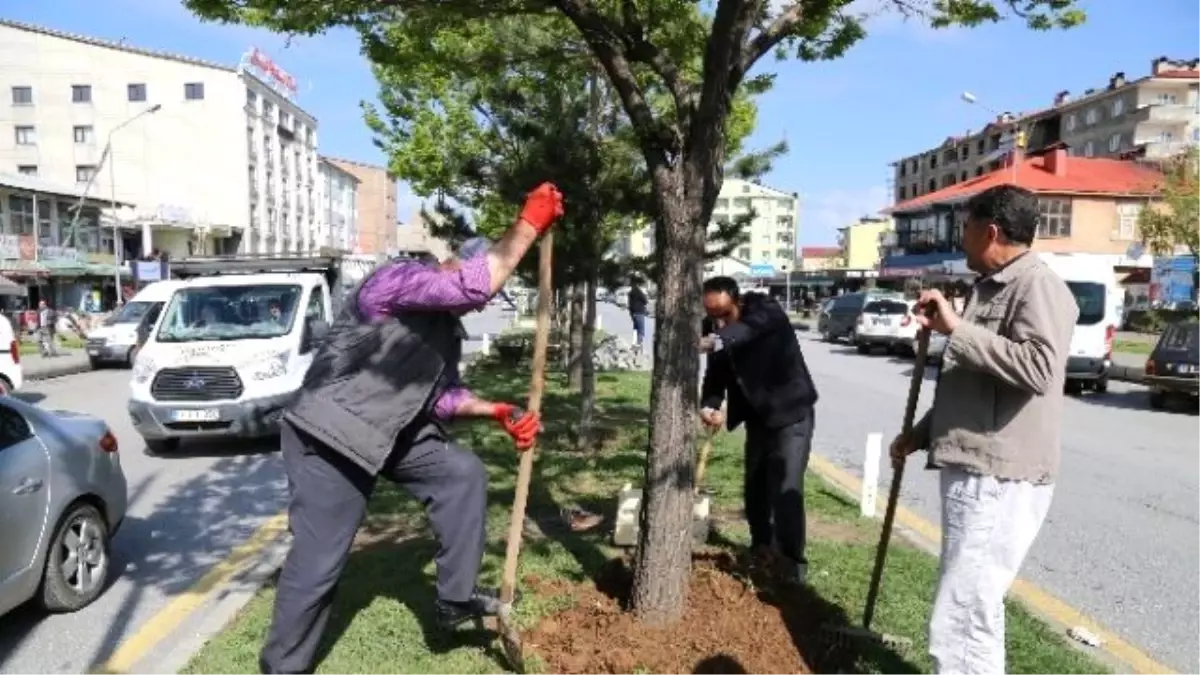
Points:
376	201
859	242
1153	116
1089	206
213	158
337	223
773	230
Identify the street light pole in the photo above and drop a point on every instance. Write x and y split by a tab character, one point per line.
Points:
1017	140
112	186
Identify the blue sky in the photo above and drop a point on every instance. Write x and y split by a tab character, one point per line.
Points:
896	93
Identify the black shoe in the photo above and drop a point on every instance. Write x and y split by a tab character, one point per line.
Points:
483	602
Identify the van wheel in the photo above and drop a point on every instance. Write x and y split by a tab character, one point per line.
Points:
95	363
1073	387
1101	386
161	446
1158	400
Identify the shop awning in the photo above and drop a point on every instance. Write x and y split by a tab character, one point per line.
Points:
105	270
10	287
22	268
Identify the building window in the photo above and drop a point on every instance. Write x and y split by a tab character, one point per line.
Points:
965	153
20	215
85	135
84	173
27	169
1071	122
979	147
932	185
964	176
1093	116
1166	99
979	171
1114	143
744	253
193	91
1089	149
1127	217
903	192
81	93
1055	218
1166	136
136	92
1118	107
251	98
745	189
22	95
25	135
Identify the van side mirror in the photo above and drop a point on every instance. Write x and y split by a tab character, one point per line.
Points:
314	332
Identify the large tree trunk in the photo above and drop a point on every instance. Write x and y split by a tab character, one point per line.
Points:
587	401
575	348
663	562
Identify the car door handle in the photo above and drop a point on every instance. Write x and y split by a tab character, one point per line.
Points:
27	486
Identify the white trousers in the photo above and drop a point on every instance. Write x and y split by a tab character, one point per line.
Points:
988	526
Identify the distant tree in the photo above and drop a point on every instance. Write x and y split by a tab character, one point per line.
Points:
1175	220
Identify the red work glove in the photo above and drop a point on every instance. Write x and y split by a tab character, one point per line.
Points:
542	207
522	425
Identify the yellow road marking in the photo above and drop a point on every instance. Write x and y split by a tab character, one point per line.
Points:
170	617
1030	594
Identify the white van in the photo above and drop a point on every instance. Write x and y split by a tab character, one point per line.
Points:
228	355
1100	299
118	339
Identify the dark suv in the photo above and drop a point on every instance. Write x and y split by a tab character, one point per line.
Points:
1174	364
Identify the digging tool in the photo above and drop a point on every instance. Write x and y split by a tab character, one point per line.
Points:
864	633
510	636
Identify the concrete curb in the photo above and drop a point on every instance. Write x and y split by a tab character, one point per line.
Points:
58	371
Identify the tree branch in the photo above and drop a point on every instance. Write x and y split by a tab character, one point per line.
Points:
768	38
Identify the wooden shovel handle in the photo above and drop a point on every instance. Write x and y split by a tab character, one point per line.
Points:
702	463
541	341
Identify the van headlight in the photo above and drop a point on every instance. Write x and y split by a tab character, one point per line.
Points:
270	367
143	370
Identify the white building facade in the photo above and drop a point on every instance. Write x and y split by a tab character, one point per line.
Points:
213	158
337	220
772	233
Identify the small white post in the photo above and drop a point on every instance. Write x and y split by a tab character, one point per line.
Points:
486	347
599	323
870	483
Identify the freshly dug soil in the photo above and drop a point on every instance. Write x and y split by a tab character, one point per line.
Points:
733	624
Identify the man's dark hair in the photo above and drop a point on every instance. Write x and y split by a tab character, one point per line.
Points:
1013	209
725	285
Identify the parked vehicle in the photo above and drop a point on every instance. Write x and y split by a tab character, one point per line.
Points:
1101	302
1173	367
231	349
122	334
62	497
844	312
11	377
886	323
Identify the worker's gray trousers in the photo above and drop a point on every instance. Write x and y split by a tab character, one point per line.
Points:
776	460
328	500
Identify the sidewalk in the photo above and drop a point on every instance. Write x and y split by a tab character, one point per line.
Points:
34	366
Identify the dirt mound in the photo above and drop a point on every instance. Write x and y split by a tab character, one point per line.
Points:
732	625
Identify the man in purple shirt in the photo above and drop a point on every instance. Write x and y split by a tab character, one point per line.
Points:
383	383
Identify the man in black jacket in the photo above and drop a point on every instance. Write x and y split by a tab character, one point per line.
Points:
638	308
754	361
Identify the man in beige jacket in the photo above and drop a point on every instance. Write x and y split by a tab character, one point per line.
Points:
994	429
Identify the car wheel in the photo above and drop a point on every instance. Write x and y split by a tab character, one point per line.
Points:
1158	400
862	348
1101	386
161	446
1073	387
95	363
77	564
5	386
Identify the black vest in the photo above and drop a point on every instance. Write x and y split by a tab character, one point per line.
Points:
370	379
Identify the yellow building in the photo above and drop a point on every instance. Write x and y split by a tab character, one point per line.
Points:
860	241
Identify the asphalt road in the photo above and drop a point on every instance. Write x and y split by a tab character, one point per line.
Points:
186	512
1120	543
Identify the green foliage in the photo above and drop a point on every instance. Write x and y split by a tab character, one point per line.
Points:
1173	221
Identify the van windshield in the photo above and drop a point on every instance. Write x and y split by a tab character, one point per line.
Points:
230	313
1090	297
132	312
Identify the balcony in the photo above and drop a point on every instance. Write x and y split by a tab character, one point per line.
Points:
1167	114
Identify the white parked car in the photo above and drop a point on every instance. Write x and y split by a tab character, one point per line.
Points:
887	323
11	378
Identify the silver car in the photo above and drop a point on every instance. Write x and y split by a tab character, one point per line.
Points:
62	497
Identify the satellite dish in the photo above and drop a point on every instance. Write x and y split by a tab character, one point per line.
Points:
1135	251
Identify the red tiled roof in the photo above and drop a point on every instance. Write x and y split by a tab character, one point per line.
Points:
1083	176
1179	75
819	251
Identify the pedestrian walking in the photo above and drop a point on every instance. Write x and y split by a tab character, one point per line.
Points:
638	307
47	329
995	427
756	368
375	401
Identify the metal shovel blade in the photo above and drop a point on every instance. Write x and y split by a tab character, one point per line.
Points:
510	638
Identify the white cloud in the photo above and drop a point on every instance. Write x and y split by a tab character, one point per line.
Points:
822	214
